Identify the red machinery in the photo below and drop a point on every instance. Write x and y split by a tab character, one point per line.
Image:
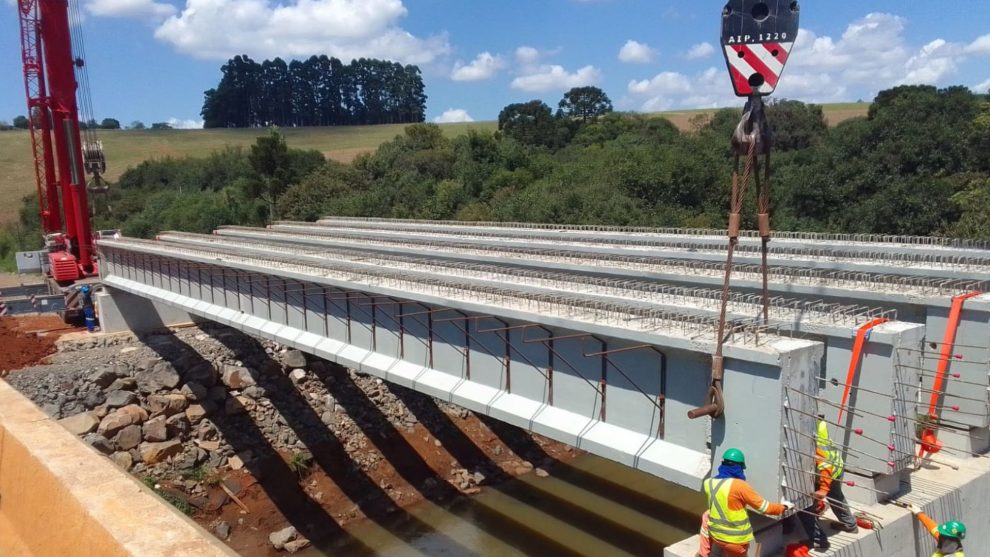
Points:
62	158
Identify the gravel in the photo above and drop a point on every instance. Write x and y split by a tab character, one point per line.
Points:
231	393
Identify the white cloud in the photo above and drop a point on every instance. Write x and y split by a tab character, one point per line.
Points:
933	63
137	9
636	53
979	46
940	59
555	78
981	88
346	29
700	51
665	83
178	124
669	90
527	55
453	116
871	54
485	66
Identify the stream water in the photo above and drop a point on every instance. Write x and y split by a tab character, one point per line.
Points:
591	507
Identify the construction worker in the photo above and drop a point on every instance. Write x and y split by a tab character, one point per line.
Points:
729	496
830	467
948	536
89	311
704	540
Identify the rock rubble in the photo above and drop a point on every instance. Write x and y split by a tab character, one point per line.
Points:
179	407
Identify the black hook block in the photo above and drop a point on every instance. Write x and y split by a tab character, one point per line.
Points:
757	38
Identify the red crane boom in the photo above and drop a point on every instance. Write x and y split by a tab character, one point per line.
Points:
53	116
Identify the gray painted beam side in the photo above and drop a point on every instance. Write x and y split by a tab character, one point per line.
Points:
607	439
884	384
963	400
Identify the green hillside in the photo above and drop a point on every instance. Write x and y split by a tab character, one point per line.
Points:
127	148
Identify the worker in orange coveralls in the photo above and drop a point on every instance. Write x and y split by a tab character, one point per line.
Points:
949	535
729	495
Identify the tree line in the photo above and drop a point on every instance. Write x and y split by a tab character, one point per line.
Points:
320	91
917	164
21	123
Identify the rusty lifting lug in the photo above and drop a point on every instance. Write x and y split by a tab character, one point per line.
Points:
716	402
757	38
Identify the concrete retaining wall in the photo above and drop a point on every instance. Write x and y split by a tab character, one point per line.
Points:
59	497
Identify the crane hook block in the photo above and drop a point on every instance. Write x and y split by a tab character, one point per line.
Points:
757	38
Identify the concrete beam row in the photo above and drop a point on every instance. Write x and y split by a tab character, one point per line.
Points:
384	327
918	298
812	240
943	262
891	362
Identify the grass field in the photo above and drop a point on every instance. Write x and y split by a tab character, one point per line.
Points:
127	148
834	114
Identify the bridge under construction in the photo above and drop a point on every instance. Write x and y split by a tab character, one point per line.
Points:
601	337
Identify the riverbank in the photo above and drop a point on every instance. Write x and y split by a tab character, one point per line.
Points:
250	438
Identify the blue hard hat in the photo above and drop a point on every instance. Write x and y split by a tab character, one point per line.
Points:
85	289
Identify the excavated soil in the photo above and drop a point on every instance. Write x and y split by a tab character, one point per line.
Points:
28	340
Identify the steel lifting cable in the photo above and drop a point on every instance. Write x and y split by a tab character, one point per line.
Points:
751	140
757	38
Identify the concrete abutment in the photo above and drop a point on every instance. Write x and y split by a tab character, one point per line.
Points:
59	497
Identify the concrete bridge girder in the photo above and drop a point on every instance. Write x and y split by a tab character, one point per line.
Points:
870	243
945	267
964	397
928	304
832	257
357	327
891	363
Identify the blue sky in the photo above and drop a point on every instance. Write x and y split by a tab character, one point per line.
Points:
151	60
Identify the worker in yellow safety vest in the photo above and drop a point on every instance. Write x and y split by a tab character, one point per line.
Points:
828	492
729	496
948	536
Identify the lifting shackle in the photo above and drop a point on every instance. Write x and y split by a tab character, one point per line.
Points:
757	38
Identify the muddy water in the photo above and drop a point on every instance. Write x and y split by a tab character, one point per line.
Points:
591	507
